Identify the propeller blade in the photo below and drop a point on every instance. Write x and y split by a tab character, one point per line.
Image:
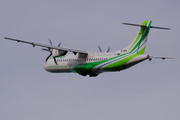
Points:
108	49
55	60
59	44
43	49
48	57
50	42
99	48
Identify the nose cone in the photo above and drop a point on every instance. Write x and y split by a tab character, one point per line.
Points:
46	66
136	60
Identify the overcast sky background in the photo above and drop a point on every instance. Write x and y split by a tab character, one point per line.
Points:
147	91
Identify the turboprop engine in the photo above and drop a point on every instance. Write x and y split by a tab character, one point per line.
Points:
58	53
54	52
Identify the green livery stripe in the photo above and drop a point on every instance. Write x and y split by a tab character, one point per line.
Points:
138	36
138	43
58	57
143	33
120	64
86	68
141	51
109	64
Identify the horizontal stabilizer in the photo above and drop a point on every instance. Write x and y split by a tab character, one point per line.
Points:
134	24
160	28
158	57
145	26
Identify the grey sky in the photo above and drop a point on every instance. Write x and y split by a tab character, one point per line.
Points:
149	90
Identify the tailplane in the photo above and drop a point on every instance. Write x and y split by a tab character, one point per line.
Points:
138	45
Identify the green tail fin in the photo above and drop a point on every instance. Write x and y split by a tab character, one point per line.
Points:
138	45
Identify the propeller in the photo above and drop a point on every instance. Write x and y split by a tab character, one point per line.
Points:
50	42
105	51
50	50
99	48
108	49
59	44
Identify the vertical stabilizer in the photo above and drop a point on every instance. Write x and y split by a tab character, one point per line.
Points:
138	45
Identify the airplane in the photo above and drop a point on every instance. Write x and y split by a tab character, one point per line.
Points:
93	63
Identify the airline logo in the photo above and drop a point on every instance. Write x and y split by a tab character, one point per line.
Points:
117	53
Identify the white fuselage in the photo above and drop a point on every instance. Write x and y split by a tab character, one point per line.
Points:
66	62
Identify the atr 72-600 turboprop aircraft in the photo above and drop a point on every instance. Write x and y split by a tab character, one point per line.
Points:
94	63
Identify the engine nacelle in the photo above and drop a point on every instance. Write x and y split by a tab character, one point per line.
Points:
58	53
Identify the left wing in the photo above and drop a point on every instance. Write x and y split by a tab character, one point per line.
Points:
49	46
